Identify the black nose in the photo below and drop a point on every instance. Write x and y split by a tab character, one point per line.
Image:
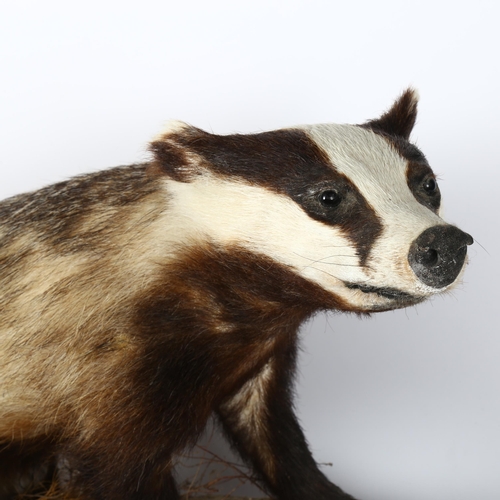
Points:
438	254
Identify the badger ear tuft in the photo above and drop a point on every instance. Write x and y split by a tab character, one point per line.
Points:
400	118
172	155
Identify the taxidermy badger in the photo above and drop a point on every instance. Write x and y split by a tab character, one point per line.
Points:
138	301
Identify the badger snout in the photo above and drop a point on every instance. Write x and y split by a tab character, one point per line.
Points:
438	255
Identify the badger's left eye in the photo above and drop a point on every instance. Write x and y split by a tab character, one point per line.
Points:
430	185
422	183
330	198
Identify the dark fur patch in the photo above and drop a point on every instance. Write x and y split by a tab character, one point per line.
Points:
26	466
416	175
400	119
285	161
170	158
244	319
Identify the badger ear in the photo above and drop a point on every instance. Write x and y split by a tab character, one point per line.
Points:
172	155
400	119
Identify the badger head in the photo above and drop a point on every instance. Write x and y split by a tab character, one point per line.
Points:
352	208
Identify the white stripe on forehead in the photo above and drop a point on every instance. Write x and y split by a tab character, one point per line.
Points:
364	157
376	168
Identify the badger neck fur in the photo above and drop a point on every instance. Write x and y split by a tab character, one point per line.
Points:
138	301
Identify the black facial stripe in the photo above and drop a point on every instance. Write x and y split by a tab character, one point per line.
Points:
353	214
278	160
287	162
416	176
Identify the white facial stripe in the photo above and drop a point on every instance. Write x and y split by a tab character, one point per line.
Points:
231	212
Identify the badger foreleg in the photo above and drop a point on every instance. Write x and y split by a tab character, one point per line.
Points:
260	421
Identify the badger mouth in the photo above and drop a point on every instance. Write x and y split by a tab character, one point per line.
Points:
399	297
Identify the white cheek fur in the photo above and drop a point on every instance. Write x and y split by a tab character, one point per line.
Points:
235	213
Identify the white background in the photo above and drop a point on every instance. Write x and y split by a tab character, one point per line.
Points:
405	405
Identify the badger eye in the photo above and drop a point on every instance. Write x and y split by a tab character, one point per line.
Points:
330	198
430	185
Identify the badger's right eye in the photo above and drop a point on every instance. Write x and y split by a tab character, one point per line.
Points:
330	198
430	185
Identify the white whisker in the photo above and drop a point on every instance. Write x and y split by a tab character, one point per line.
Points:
475	241
322	261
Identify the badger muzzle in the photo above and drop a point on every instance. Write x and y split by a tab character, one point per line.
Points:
437	256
